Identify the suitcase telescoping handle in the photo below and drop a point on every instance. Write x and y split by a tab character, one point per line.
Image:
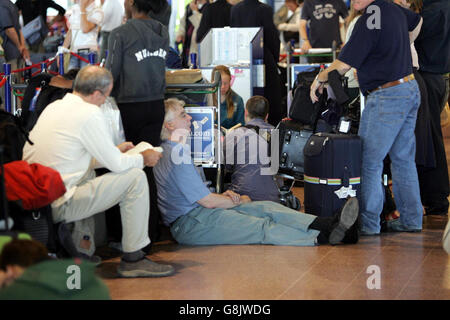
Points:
319	106
3	204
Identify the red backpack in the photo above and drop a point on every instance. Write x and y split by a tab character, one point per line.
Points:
33	185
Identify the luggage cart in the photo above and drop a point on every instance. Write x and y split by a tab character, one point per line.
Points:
294	53
201	88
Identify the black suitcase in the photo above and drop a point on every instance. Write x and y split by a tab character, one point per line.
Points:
332	172
293	137
6	234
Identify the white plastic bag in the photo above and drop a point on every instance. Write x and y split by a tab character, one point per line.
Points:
113	120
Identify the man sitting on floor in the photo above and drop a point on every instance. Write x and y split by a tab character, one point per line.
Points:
68	136
198	217
247	154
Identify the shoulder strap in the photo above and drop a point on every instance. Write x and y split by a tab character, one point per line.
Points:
250	126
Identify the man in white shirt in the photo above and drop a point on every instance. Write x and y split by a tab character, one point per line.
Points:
113	14
71	136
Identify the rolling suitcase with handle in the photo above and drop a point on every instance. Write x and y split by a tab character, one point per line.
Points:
332	172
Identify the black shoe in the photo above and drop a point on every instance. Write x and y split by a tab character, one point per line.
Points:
436	211
352	234
347	219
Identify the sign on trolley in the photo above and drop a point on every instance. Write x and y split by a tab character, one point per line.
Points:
201	138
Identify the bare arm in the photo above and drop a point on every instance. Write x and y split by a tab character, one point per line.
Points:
19	41
85	25
68	39
14	37
214	200
226	200
413	34
24	51
304	35
322	77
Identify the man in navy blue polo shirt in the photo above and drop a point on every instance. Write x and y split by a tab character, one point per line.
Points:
379	49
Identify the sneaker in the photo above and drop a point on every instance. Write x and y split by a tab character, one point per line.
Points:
94	259
348	217
397	226
144	268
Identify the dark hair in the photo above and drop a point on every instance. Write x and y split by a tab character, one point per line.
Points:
416	5
146	6
23	253
257	107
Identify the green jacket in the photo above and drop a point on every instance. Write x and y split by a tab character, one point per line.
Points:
68	279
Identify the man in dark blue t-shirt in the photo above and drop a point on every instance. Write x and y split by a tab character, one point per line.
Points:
379	48
324	24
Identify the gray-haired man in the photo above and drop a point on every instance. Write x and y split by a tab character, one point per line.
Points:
71	136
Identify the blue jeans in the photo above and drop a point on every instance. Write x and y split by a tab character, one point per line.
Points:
387	127
76	63
258	222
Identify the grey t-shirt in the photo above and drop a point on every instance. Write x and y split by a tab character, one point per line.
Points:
9	17
179	184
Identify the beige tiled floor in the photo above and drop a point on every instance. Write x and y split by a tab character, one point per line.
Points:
412	266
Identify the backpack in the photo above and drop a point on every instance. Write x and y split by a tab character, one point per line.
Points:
47	95
12	136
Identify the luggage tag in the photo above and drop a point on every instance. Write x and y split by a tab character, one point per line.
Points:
345	192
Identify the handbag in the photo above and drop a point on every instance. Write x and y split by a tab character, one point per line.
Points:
35	30
67	55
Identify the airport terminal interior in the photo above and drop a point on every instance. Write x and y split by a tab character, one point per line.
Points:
412	266
388	266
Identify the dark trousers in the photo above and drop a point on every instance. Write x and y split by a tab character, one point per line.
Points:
272	90
434	182
142	121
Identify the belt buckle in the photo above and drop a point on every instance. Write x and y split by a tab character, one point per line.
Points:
83	51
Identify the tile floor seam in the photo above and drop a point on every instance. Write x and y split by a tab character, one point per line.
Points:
373	258
302	276
413	274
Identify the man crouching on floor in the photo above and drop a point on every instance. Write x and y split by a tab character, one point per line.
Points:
198	217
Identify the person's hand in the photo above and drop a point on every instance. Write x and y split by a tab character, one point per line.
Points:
125	146
282	26
306	46
151	157
84	4
193	5
24	53
236	198
179	39
245	199
6	278
314	86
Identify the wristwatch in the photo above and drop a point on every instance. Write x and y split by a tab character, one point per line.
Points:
317	79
